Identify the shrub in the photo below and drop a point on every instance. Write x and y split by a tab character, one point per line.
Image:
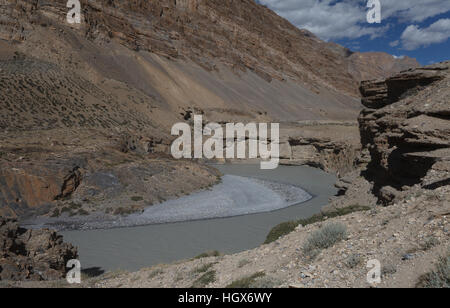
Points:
155	273
137	198
288	227
246	282
243	263
204	280
55	213
429	243
281	230
439	278
74	206
204	268
324	238
353	261
123	211
266	283
388	269
82	212
208	254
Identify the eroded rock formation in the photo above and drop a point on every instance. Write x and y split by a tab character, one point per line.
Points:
406	129
32	254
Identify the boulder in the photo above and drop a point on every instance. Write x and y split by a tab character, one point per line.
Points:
32	254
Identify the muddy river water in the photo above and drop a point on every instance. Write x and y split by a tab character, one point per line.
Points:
162	241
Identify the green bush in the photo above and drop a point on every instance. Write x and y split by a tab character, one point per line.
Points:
324	238
288	227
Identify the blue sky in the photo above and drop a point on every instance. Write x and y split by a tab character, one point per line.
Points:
416	28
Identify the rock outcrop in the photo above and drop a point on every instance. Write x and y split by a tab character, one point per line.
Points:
31	188
329	145
406	130
335	157
32	254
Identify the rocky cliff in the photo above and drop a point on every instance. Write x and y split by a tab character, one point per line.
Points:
32	254
406	130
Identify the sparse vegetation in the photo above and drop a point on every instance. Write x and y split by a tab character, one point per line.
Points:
55	213
74	206
266	283
137	198
440	277
288	227
388	269
124	211
82	212
246	282
203	268
204	280
243	263
324	238
208	254
353	261
155	273
429	243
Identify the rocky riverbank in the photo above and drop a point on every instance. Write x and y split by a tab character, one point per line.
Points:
32	254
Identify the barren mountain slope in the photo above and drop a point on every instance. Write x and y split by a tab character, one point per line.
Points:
373	65
227	57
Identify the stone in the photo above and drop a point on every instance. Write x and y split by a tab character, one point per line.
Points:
408	141
32	254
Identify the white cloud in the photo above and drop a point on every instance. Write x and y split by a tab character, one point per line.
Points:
331	19
414	10
414	37
394	43
326	19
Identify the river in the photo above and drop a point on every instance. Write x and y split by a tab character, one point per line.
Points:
133	248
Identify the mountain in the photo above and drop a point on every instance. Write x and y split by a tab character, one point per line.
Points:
228	59
366	66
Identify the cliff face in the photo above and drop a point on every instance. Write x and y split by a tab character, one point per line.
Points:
406	130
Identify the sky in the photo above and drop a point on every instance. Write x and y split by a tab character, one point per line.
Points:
416	28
